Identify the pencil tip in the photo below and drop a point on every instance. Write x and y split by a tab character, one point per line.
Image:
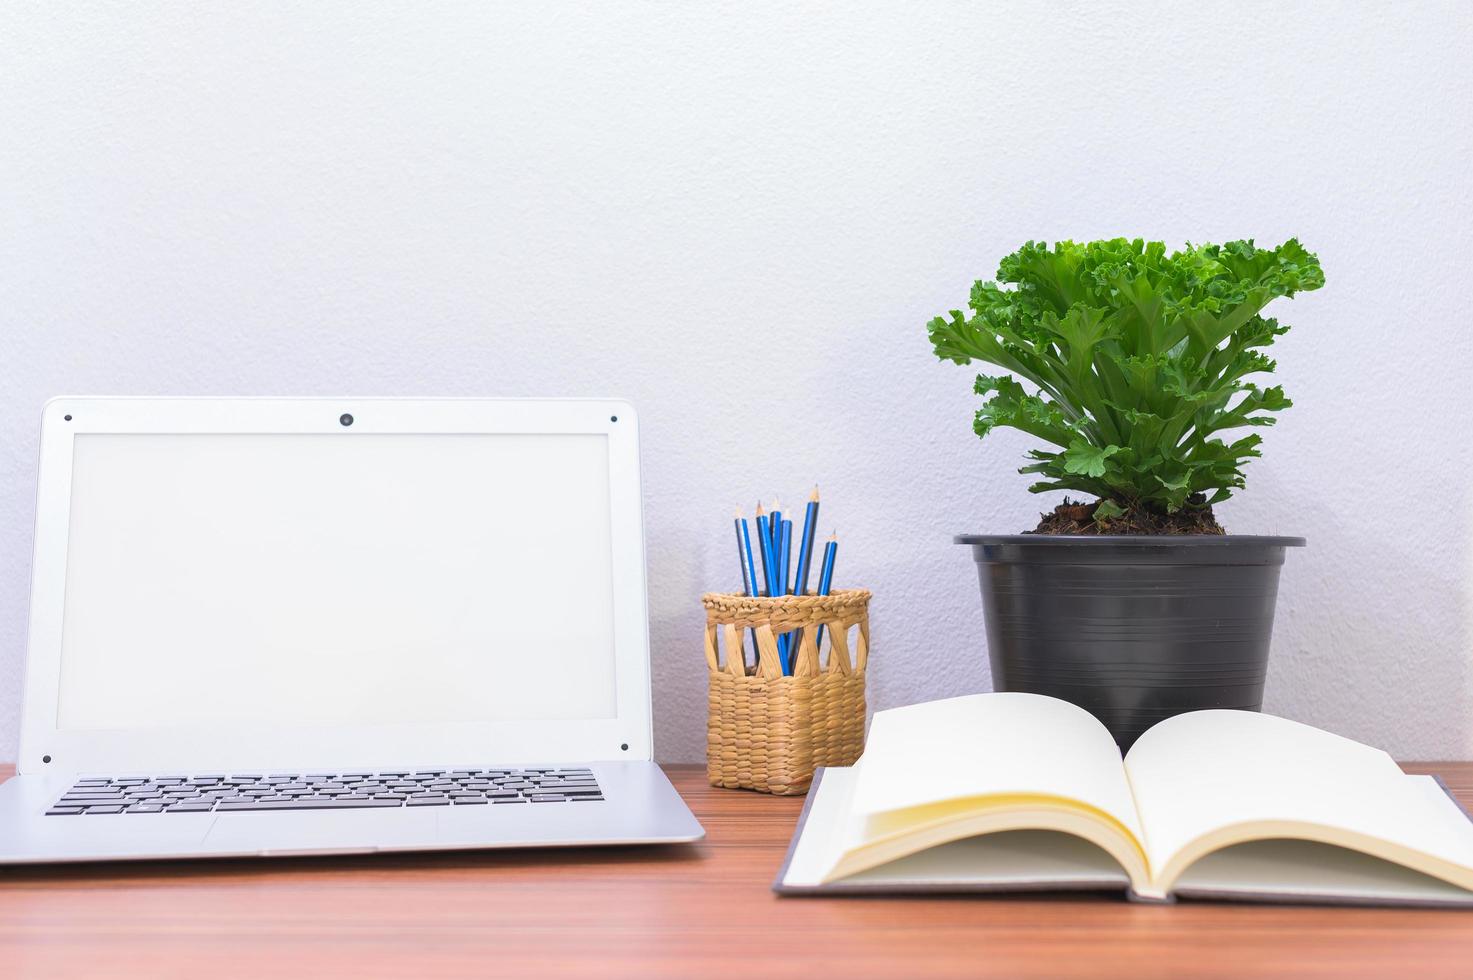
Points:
738	513
760	511
814	496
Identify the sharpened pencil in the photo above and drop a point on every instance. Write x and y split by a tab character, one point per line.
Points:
805	545
805	558
784	556
750	585
775	523
826	577
764	544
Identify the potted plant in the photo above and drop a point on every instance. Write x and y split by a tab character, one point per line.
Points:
1130	364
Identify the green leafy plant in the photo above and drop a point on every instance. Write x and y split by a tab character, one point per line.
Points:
1137	360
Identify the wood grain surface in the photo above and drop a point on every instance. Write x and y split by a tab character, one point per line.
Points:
691	911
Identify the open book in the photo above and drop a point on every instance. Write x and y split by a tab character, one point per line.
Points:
1010	791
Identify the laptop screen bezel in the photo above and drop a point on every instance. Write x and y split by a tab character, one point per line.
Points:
626	736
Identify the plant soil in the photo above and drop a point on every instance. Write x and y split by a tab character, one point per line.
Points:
1077	517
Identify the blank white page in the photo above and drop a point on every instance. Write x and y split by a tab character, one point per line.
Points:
351	578
1207	770
991	744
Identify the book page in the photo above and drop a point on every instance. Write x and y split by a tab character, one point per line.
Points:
818	841
1303	870
1211	778
1010	859
1001	744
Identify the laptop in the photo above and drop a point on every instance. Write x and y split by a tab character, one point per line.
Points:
317	626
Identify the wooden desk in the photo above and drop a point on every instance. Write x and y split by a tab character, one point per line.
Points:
696	911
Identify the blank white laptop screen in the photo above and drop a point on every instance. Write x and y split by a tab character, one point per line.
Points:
357	579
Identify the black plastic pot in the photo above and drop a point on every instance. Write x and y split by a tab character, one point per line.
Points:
1134	629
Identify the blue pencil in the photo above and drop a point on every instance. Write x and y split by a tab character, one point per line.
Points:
805	546
826	578
764	544
774	532
784	556
749	568
769	567
805	559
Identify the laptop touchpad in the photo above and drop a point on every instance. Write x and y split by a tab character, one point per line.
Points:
287	832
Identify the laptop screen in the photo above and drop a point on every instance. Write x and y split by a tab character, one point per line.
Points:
343	579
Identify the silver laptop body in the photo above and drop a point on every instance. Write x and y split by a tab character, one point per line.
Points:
312	626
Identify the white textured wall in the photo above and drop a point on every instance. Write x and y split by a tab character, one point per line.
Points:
740	216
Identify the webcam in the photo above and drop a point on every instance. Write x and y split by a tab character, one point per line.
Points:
345	418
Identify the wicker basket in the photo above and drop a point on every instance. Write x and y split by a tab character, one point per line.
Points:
769	732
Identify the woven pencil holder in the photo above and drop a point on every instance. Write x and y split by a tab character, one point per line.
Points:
768	732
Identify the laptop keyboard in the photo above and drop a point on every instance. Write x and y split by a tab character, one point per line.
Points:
326	791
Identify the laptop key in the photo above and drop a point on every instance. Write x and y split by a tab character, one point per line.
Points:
337	803
145	808
65	811
427	801
190	808
514	799
104	809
